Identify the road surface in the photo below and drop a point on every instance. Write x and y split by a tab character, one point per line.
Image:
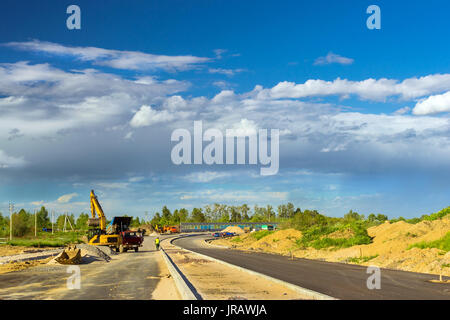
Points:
342	281
131	275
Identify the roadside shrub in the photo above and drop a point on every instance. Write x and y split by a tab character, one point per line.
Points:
261	234
442	244
316	237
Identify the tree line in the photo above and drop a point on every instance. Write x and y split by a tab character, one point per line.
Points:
24	221
243	213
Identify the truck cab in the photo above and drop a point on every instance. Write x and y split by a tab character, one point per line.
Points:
131	240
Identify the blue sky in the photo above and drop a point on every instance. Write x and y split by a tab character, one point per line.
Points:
363	114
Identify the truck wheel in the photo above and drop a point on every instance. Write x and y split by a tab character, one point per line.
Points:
121	248
117	249
125	249
136	249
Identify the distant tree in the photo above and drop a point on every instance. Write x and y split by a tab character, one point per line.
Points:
372	217
244	212
197	215
353	216
82	221
382	217
166	213
290	210
308	218
135	222
156	219
43	220
166	217
184	215
208	212
235	214
4	225
175	217
282	211
270	214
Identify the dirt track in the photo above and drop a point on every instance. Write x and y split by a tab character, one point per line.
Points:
141	275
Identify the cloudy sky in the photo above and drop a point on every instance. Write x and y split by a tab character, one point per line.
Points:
363	114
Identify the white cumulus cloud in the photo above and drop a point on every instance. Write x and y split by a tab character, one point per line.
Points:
333	58
434	104
147	116
67	197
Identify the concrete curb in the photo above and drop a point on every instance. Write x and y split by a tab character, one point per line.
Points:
310	293
184	290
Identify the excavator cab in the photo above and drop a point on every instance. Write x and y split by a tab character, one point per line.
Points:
93	232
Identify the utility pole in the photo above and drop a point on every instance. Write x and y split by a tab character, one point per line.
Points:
65	219
35	223
11	208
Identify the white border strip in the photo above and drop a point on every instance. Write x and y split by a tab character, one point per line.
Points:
310	293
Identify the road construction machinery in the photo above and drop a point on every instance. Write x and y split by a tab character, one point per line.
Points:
132	240
99	234
70	255
171	229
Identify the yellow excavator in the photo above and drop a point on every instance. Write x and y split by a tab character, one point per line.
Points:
98	233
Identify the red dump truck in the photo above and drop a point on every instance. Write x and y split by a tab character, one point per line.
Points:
131	240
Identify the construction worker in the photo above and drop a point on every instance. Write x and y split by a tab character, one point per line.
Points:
157	243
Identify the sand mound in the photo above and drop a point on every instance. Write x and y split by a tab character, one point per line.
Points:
232	229
282	241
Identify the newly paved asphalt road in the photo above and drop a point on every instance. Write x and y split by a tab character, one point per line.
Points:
342	281
131	275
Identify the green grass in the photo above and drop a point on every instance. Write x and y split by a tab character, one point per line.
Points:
442	244
261	234
44	239
425	217
362	259
316	237
236	239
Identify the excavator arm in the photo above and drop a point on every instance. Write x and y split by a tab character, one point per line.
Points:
96	209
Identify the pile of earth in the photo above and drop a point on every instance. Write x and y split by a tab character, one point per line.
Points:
90	253
233	229
283	241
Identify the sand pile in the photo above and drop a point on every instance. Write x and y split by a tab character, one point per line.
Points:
282	241
233	229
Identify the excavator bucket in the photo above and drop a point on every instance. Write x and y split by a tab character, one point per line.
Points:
70	255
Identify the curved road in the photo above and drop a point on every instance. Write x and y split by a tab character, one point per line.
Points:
342	281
